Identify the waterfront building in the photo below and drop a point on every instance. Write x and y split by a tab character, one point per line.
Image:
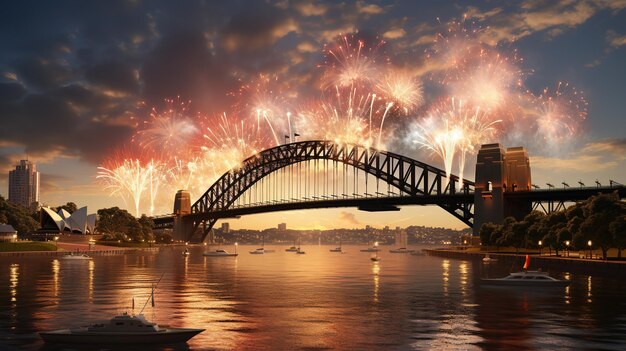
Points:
7	233
24	185
282	226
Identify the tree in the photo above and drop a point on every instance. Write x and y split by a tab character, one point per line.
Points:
617	228
69	207
485	232
116	222
17	216
600	211
146	227
533	221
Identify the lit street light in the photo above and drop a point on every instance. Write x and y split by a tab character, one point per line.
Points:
589	244
236	244
567	248
56	242
540	243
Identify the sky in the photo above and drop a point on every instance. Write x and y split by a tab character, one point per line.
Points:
78	81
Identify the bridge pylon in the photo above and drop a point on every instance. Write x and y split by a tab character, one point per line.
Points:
183	227
499	172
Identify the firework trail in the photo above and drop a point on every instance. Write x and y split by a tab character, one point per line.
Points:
453	128
130	178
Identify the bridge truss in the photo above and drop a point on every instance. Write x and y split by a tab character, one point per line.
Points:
323	174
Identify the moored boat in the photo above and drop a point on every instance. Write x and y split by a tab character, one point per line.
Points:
219	253
401	250
488	259
123	329
292	249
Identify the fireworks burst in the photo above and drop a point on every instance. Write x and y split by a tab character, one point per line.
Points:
451	129
560	114
349	62
403	89
168	132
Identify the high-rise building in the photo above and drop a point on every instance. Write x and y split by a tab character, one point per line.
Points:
24	185
282	226
225	228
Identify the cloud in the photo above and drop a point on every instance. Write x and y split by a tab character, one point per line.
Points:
593	157
113	75
349	218
554	17
256	28
308	9
394	33
614	39
369	9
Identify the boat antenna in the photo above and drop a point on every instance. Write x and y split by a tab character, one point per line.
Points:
154	286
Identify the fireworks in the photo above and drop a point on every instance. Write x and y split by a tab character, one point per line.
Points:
168	132
559	115
403	89
473	88
451	129
350	62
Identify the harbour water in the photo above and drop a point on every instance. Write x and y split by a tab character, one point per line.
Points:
320	300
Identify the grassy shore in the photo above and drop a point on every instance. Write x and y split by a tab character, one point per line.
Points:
27	246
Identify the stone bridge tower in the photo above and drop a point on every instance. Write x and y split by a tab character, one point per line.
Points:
498	172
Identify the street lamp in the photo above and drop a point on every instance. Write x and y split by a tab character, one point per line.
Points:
540	243
56	242
567	248
236	244
91	242
589	244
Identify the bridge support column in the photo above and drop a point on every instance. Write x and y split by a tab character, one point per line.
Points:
183	228
497	172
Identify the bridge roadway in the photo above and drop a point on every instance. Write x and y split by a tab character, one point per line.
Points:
375	204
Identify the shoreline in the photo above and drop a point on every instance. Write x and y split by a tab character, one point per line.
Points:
613	269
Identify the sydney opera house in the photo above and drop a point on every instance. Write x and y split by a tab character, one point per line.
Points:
78	222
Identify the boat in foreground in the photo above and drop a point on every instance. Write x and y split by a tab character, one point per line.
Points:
123	329
527	278
219	253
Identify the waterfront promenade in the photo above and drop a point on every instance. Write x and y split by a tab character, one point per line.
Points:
575	263
65	248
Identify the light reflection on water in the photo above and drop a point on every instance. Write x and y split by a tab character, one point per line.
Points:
318	300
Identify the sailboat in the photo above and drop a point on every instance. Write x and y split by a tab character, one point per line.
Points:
261	250
300	251
375	258
401	242
338	248
536	278
294	248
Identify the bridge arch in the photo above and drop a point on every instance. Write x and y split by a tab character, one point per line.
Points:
409	176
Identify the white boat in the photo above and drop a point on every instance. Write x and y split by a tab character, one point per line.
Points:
259	251
185	253
527	278
488	259
72	256
401	250
292	249
219	253
123	329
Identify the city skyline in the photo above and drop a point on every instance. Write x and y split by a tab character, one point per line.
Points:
90	103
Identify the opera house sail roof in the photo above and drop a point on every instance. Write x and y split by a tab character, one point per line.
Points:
77	222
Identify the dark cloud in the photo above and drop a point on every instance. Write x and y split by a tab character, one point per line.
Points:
11	91
182	64
257	27
113	75
41	73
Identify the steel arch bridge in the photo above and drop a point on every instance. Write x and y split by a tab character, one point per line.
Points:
414	181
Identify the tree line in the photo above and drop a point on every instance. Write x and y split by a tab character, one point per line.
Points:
599	220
